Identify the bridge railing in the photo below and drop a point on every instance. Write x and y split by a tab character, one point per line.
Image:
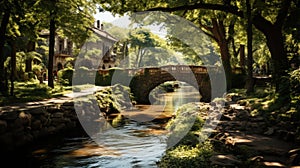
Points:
184	69
160	70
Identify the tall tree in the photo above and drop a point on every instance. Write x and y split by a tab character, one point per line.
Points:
140	40
5	12
219	26
51	46
269	19
67	18
13	67
250	81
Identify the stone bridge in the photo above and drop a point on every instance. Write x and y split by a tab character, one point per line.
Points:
142	81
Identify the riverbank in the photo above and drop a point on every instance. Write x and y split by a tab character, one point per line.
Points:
22	124
29	122
241	139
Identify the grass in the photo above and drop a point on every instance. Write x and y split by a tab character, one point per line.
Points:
33	91
187	156
262	102
188	152
265	102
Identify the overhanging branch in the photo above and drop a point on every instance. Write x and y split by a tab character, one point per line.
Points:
283	13
230	9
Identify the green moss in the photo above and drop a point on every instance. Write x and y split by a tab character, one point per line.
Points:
188	157
65	76
189	152
114	99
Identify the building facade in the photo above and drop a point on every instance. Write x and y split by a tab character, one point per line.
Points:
63	49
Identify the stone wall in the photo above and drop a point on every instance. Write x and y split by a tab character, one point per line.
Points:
19	127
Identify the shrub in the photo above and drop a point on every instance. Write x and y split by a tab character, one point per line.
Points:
188	157
295	81
65	76
113	99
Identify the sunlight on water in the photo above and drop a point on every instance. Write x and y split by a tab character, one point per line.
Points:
130	144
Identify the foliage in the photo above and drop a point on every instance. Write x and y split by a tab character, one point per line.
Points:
295	82
106	79
168	86
23	21
186	156
113	99
267	17
30	91
186	126
141	40
65	76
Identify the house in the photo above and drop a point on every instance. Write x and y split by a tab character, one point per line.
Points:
63	48
107	41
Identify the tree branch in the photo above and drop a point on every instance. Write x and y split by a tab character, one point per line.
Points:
262	24
283	13
205	27
225	8
210	35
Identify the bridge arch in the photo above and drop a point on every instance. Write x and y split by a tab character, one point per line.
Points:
149	78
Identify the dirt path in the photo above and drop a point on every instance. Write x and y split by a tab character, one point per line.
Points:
49	102
243	140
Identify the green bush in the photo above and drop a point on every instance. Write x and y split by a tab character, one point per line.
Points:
65	76
113	99
187	157
188	152
295	81
105	80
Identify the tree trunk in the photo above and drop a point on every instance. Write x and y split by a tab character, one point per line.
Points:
242	56
13	67
138	57
275	42
250	81
28	65
219	33
226	63
28	61
141	57
4	23
51	51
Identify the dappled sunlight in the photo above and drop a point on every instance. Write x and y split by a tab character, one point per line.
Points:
88	150
144	113
148	132
273	164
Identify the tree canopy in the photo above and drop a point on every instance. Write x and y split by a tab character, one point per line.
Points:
267	16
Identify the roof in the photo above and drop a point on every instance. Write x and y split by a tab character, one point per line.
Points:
99	32
104	34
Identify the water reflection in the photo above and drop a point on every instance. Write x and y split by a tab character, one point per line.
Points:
136	140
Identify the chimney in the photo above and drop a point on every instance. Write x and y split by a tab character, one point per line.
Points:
98	24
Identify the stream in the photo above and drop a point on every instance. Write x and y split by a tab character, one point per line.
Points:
130	144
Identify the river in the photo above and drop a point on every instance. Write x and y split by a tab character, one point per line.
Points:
129	144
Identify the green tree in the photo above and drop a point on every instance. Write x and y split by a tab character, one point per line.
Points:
27	18
269	18
250	81
6	9
67	18
140	40
13	14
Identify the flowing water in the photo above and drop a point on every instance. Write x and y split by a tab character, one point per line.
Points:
129	144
